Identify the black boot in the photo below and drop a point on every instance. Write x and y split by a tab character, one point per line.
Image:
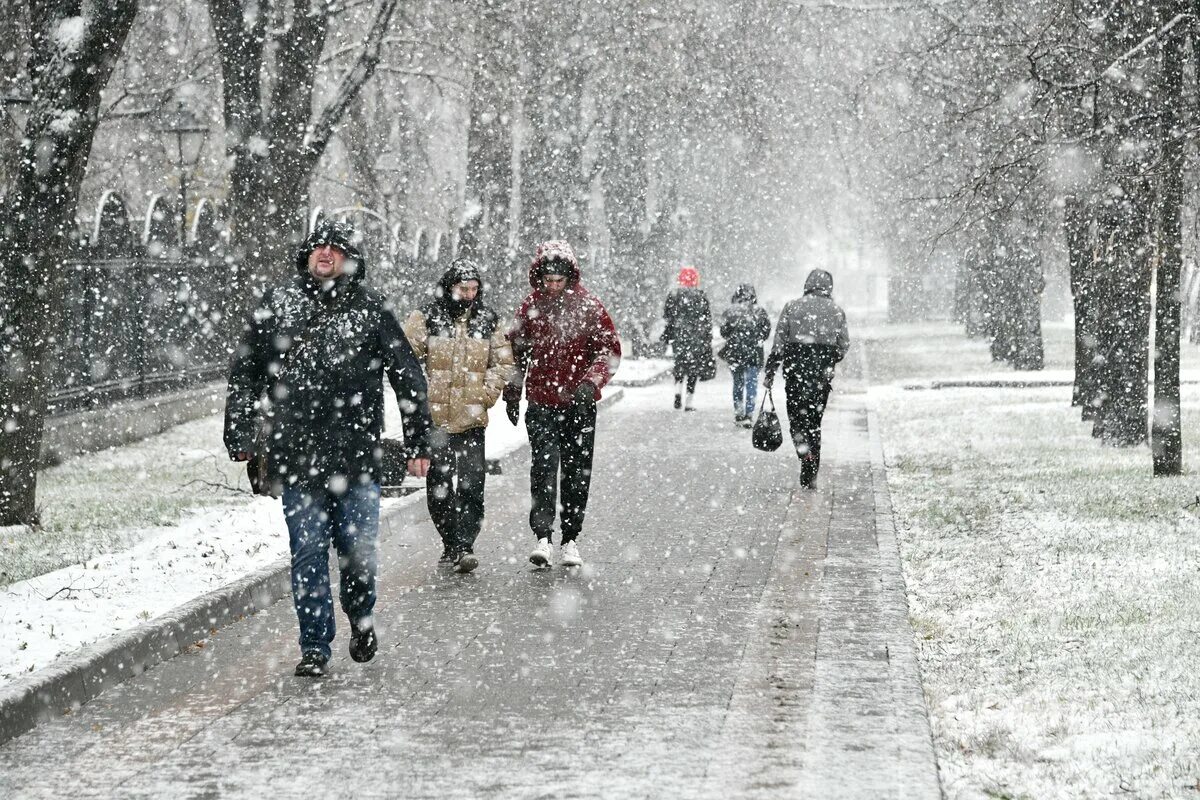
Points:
678	401
363	643
312	665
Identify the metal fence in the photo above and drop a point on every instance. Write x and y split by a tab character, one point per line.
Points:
142	310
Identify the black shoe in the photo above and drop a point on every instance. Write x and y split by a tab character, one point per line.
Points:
363	644
312	665
447	558
466	562
678	401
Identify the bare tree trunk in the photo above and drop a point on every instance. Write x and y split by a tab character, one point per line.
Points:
275	150
1166	436
489	189
554	191
37	225
1079	259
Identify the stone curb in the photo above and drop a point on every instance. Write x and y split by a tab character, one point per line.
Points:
75	679
71	681
921	778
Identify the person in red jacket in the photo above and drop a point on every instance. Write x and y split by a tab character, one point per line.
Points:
566	348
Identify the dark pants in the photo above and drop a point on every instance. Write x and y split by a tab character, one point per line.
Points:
315	517
454	490
561	441
691	380
807	393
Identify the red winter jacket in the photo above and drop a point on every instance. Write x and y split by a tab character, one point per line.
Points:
560	343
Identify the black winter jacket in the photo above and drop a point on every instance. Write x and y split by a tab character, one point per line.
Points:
322	398
744	327
689	330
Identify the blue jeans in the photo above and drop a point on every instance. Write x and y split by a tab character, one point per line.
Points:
745	380
315	517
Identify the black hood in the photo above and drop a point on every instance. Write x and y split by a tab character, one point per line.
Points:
462	269
341	235
745	294
819	282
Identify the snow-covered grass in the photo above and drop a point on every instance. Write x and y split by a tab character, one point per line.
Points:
1052	583
111	500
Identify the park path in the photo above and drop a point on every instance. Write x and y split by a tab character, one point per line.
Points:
731	635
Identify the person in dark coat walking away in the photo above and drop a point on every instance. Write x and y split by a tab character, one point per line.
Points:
744	327
469	361
566	348
689	332
306	391
810	338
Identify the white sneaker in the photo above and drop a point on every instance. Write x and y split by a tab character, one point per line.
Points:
569	555
540	557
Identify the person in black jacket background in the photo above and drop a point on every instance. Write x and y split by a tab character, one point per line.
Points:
306	390
811	337
744	327
689	332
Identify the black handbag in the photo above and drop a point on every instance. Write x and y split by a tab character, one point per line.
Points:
767	434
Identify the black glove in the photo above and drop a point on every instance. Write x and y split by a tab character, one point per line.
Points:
513	409
768	380
585	396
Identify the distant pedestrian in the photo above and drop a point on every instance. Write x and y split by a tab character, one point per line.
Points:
306	392
810	338
744	327
469	361
689	332
566	349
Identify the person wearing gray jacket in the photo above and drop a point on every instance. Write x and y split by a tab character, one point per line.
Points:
810	338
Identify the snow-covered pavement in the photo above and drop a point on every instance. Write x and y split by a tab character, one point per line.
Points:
707	649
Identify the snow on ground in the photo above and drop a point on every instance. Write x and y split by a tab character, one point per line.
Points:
635	370
1052	586
144	529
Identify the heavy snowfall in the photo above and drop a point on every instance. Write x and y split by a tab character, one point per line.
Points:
517	398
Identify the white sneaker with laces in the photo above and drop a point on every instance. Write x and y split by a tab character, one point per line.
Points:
569	555
540	557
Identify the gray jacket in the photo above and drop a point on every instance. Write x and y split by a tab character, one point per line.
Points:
813	319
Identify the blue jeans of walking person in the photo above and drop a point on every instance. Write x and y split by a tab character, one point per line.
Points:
317	518
745	382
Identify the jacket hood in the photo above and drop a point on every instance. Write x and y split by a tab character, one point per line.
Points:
558	253
819	282
745	293
344	237
461	269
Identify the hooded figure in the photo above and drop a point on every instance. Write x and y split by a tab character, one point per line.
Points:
566	348
689	332
744	327
469	361
810	338
306	392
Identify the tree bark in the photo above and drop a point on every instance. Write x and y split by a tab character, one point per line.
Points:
1166	436
37	224
274	149
486	235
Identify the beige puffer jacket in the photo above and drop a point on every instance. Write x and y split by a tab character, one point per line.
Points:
467	370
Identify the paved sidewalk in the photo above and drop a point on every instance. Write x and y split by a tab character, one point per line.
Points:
731	635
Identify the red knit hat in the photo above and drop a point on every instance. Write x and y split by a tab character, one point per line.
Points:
689	277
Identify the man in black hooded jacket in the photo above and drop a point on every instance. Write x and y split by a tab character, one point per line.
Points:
810	338
306	390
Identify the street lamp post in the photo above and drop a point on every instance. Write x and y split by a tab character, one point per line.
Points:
183	136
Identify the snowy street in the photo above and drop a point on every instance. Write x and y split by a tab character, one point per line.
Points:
731	640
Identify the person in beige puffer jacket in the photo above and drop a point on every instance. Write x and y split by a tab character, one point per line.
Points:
468	361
